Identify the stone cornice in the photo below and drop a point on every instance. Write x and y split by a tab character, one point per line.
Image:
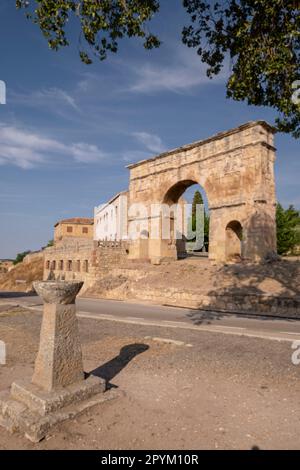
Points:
200	143
193	162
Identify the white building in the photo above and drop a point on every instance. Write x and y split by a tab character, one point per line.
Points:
110	219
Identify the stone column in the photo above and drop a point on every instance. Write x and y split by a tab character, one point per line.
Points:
59	360
58	389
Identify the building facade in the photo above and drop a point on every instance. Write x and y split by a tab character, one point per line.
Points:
77	227
110	219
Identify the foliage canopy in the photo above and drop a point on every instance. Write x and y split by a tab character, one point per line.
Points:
259	41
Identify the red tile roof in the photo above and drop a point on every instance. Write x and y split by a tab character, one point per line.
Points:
76	221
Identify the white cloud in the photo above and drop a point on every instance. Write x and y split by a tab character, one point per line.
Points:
131	156
185	71
151	78
174	68
48	97
86	153
152	142
27	149
89	81
58	95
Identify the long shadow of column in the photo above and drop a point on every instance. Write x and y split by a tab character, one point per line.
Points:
113	367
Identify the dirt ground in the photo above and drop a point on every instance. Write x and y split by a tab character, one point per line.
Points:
221	392
201	276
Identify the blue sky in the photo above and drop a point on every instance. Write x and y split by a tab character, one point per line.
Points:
68	130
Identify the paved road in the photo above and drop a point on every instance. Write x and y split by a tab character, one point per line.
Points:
145	314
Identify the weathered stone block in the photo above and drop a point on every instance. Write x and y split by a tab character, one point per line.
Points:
58	390
45	402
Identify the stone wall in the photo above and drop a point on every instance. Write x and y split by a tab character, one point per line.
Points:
84	260
108	255
69	260
246	303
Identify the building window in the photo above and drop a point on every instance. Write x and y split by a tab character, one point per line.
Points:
86	266
78	266
69	229
85	230
70	265
61	265
47	264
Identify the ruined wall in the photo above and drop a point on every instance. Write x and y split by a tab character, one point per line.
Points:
69	259
84	260
236	170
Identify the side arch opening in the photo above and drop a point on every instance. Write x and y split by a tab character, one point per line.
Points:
234	241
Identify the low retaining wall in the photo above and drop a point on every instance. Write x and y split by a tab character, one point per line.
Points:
264	304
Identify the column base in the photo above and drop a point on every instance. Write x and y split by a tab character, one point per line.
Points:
28	409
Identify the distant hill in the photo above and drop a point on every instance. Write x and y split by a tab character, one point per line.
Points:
21	276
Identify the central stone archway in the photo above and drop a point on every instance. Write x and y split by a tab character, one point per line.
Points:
174	193
236	170
179	215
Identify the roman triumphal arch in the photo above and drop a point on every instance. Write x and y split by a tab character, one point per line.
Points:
236	169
